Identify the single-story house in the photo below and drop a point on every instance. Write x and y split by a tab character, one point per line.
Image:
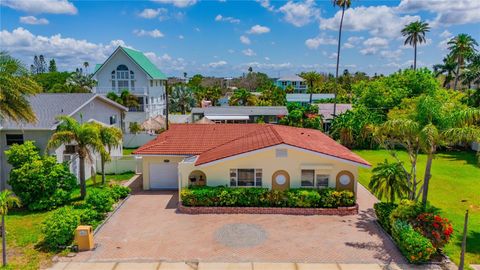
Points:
305	98
240	114
247	155
47	107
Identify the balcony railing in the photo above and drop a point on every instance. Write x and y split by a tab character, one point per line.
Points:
133	90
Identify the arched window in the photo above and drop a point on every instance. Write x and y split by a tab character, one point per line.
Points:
123	78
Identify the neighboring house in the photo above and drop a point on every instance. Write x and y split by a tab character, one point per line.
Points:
299	84
304	99
179	118
127	69
240	114
247	155
47	107
326	111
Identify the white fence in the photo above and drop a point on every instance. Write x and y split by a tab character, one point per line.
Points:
137	140
120	165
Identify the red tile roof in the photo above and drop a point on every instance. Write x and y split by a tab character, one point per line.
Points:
215	142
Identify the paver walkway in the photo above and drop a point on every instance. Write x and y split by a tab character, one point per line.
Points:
147	228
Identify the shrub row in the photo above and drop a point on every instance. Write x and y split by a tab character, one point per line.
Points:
383	211
59	227
413	245
263	197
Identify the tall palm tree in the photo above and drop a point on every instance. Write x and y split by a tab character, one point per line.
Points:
7	201
343	4
15	87
389	181
86	65
448	68
242	97
471	74
415	34
111	137
461	47
311	77
181	99
86	136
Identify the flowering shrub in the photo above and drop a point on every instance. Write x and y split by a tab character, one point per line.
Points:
414	246
434	227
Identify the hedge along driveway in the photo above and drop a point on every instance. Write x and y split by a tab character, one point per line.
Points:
147	227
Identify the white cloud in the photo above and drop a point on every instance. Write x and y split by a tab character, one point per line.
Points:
249	52
41	6
347	45
245	40
258	29
376	42
333	56
217	64
378	20
155	33
396	54
220	18
314	43
352	41
266	4
265	66
299	13
68	52
150	13
445	34
33	20
177	3
369	51
167	62
448	13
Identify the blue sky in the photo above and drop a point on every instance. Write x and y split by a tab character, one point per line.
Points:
224	38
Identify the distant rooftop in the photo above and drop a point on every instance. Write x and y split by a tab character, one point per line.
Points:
242	110
326	109
306	97
292	78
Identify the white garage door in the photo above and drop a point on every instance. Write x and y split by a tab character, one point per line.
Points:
164	176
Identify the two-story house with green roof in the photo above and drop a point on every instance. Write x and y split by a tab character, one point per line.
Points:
128	69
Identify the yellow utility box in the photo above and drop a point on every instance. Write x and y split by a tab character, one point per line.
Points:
84	238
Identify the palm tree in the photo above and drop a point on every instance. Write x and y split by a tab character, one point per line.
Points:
110	137
86	65
343	4
389	181
15	87
311	78
242	97
86	136
415	33
80	80
126	99
7	201
448	68
181	99
471	74
461	47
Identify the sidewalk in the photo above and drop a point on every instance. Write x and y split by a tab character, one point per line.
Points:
229	266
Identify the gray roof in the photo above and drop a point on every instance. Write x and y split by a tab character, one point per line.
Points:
179	118
47	106
306	97
242	110
326	109
292	78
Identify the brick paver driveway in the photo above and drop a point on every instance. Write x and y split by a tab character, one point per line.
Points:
147	228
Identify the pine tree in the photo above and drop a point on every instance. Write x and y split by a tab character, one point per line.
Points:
52	67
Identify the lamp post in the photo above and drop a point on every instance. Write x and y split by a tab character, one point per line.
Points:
464	241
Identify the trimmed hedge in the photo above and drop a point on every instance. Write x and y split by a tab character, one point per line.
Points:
414	246
263	197
383	211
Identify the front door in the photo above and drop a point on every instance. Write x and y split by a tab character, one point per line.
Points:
280	180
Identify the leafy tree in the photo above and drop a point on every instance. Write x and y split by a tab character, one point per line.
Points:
111	137
354	128
448	69
15	86
39	65
7	201
415	34
272	96
389	180
52	81
195	81
471	74
461	47
302	116
289	89
242	97
126	99
181	99
343	4
79	79
311	77
52	66
86	136
40	182
134	128
212	94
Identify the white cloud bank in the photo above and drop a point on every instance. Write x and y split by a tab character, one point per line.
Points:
155	33
41	6
33	20
258	30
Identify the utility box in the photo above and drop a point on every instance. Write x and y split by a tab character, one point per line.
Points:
84	238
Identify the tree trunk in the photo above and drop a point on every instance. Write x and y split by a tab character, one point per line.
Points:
102	162
426	179
464	242
166	104
415	56
338	62
4	242
83	186
456	76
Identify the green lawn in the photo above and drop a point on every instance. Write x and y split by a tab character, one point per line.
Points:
454	187
24	232
128	151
